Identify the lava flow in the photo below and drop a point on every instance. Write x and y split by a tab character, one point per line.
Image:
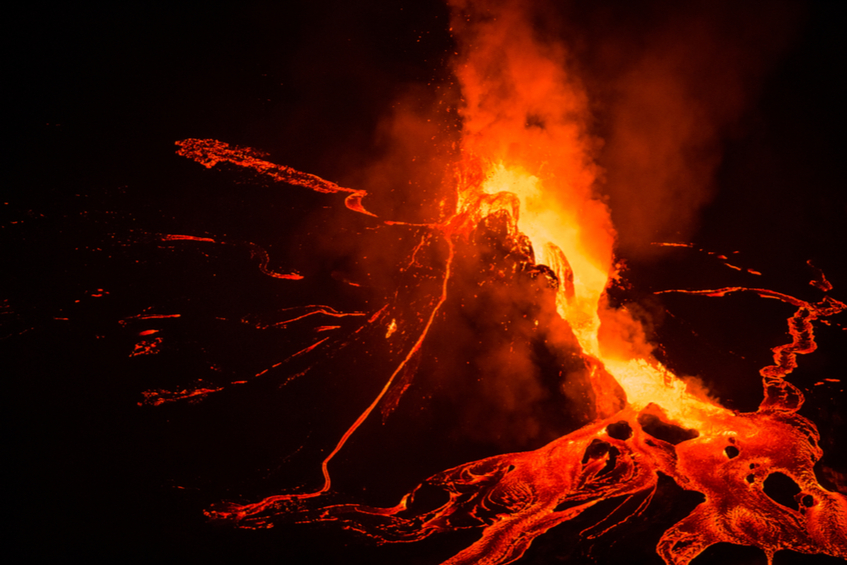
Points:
528	230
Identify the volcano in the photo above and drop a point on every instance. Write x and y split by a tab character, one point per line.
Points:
462	284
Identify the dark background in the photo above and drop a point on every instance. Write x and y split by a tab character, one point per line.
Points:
98	97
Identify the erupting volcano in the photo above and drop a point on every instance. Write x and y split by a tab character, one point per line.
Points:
455	350
523	214
645	420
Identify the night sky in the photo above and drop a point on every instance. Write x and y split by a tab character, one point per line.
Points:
100	95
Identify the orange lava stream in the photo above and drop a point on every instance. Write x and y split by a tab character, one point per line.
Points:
311	310
179	237
262	255
161	396
719	256
780	394
210	152
126	320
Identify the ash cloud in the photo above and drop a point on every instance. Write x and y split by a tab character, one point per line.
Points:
671	83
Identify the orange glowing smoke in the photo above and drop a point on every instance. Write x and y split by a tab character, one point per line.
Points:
525	133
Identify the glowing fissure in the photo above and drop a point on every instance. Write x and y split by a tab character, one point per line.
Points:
256	252
303	351
161	396
308	311
719	256
181	237
128	319
157	397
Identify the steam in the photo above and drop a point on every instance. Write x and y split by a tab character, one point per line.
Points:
635	103
673	88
